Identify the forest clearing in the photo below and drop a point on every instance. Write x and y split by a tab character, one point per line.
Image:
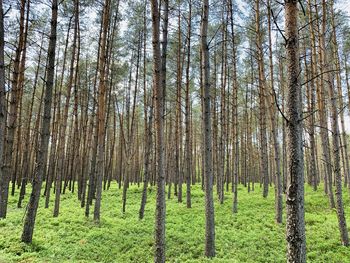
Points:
174	131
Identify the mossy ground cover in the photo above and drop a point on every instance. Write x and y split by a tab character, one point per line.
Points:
249	236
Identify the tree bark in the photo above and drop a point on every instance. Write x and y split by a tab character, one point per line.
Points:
208	170
28	228
159	256
101	111
2	91
295	224
188	153
12	118
264	170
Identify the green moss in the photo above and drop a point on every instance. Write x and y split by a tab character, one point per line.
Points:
251	235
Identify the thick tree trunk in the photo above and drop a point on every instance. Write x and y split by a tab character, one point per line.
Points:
296	249
28	228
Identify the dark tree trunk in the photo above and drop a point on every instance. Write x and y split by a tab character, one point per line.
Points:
208	165
28	228
2	91
158	84
296	249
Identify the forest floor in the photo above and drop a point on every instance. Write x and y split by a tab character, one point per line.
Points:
249	236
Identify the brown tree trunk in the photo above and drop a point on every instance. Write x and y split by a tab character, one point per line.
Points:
336	136
188	153
274	128
148	121
322	107
178	132
62	162
262	103
313	160
296	248
27	145
101	111
12	118
158	82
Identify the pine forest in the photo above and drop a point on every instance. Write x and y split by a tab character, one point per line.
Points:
174	131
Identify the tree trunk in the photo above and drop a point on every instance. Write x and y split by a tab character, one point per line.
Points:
62	162
101	111
262	104
2	91
158	82
295	224
12	118
336	144
188	153
208	161
274	128
28	228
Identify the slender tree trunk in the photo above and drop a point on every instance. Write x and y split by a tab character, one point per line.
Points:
188	152
235	114
336	144
274	127
322	107
101	112
148	124
62	160
262	104
313	160
344	141
178	133
2	91
12	118
159	256
208	165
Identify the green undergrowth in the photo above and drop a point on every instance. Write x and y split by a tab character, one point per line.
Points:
251	235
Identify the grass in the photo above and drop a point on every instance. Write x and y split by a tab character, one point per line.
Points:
249	236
